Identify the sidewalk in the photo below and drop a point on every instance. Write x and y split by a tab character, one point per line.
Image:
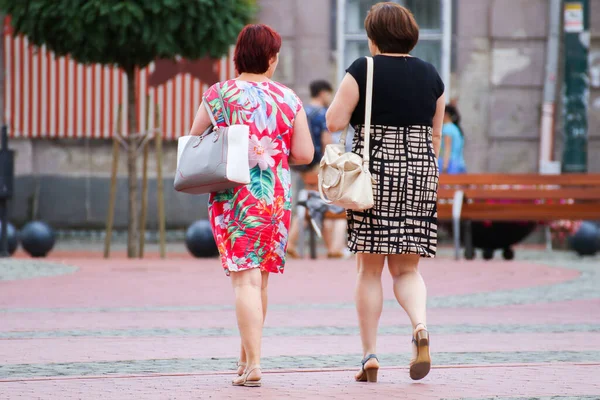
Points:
75	326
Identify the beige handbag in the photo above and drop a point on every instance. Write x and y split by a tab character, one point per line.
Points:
216	160
344	177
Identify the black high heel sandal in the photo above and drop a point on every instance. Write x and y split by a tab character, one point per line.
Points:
368	374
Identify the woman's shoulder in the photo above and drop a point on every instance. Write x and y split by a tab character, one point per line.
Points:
215	88
284	94
359	62
358	66
431	74
422	65
281	87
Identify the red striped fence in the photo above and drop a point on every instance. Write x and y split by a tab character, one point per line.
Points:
50	97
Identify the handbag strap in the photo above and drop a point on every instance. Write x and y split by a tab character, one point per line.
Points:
368	107
223	109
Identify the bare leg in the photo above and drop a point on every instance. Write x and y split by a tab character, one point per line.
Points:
327	232
409	286
263	293
249	311
369	299
336	230
411	293
264	301
293	236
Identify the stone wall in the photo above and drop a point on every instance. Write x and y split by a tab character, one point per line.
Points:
499	77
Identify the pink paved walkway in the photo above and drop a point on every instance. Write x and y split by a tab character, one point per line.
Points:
164	329
450	383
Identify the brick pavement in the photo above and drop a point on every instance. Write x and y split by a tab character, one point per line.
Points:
509	381
78	327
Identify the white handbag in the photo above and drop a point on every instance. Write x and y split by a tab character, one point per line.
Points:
344	177
214	161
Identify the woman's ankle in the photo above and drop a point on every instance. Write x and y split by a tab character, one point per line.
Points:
251	363
368	353
254	370
421	326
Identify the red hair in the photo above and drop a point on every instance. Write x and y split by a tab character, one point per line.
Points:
256	46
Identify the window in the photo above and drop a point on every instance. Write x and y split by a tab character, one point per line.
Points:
433	17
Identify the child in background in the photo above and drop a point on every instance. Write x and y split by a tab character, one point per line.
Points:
452	159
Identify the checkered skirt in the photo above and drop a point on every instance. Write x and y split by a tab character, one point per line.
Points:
404	218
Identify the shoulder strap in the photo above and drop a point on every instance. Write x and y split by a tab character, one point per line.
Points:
368	106
223	109
209	111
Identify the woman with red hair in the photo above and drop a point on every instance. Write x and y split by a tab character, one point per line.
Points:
250	223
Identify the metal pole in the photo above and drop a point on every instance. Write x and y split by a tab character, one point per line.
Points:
576	85
548	107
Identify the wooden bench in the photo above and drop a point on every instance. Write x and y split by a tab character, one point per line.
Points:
516	197
506	197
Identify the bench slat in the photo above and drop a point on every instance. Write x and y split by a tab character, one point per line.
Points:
524	194
522	212
520	179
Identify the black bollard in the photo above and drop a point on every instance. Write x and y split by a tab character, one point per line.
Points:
6	188
200	241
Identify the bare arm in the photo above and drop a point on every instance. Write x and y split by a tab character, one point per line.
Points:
326	138
303	150
201	122
344	103
438	121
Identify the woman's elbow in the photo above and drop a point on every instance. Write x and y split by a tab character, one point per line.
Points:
301	159
334	124
302	155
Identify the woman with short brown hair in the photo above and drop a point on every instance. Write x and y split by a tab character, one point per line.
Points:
407	115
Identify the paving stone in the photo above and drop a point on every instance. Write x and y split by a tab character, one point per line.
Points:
302	331
15	269
137	367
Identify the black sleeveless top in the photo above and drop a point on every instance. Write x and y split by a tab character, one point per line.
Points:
405	91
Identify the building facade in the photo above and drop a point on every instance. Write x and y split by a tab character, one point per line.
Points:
491	54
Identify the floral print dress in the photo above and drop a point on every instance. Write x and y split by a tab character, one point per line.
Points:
250	223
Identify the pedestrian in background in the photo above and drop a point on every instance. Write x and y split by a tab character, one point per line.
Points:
334	230
452	158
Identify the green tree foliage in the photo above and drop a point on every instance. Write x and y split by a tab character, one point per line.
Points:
130	34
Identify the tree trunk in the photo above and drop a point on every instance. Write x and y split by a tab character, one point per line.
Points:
132	234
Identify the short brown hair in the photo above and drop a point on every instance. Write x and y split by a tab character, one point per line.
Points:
392	28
